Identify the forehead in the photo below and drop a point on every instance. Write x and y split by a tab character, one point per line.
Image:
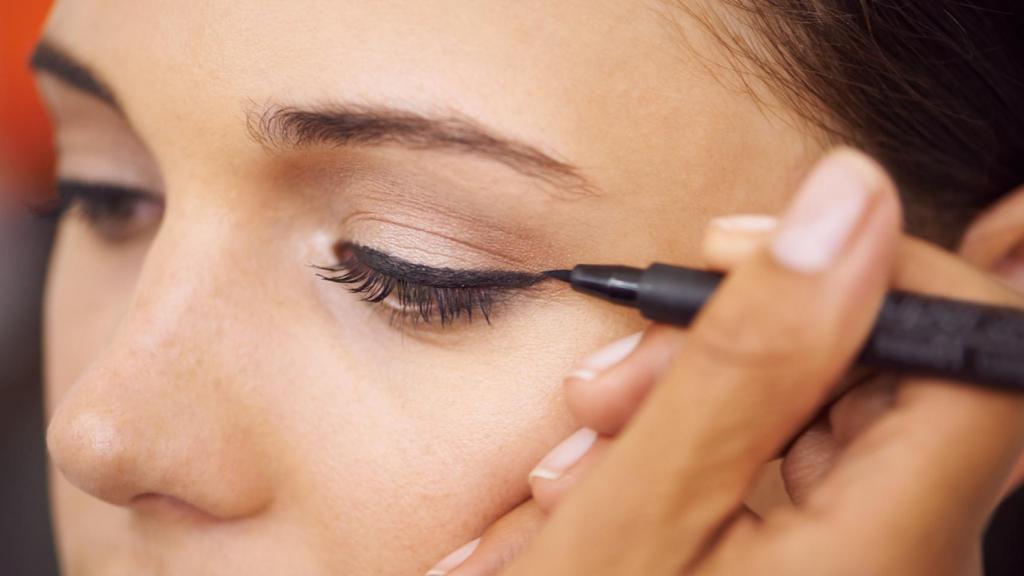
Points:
324	36
517	63
638	95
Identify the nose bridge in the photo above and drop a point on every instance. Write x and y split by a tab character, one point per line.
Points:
161	412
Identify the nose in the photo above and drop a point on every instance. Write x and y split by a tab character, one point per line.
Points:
160	421
127	445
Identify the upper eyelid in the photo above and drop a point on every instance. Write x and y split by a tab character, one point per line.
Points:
69	190
420	274
65	185
422	302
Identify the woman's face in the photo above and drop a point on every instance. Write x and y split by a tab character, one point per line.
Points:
217	407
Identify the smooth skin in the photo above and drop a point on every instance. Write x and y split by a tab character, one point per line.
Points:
215	408
640	501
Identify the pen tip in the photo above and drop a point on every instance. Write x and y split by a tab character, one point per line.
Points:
563	275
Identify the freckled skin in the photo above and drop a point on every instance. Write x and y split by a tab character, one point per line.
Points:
218	409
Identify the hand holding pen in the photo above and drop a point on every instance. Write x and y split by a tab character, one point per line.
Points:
896	476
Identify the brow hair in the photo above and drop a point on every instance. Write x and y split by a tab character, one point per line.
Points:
285	127
281	127
50	58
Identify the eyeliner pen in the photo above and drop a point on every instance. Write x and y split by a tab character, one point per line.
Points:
913	333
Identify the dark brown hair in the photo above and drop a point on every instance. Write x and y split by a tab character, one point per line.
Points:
934	89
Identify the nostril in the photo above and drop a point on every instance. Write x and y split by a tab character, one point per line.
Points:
169	506
91	454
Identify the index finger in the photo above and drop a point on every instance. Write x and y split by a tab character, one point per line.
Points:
760	358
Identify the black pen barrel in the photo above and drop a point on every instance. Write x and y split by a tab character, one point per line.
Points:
674	295
914	333
948	338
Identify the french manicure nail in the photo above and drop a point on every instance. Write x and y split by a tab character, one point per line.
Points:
454	560
565	455
606	357
753	223
824	214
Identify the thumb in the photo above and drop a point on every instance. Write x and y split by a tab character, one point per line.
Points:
757	362
499	544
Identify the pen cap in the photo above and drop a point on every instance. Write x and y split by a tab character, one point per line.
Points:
673	295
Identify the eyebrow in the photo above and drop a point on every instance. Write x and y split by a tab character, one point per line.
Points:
50	58
278	128
284	127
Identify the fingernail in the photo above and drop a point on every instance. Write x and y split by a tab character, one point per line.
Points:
454	560
824	214
745	223
606	357
565	455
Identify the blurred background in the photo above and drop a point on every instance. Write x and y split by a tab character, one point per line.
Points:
26	546
26	164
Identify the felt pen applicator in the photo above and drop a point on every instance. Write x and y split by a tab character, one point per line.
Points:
913	333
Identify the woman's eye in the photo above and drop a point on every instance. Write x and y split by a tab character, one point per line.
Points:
114	213
412	303
421	295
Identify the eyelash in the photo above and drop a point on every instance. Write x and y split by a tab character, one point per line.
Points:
416	303
98	201
108	209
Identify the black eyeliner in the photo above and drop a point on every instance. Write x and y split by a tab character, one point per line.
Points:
420	292
441	277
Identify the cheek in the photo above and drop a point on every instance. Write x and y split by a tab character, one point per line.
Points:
403	479
383	450
424	449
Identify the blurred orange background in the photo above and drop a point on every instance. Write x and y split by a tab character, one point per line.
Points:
26	164
26	156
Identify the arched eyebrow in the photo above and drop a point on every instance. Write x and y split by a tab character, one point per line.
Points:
278	128
284	127
49	58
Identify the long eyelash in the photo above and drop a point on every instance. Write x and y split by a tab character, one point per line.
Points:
71	193
416	301
448	300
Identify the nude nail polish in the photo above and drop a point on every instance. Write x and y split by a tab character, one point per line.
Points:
565	455
454	560
824	214
606	357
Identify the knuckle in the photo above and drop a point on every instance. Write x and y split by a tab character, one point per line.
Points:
752	339
592	404
859	408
